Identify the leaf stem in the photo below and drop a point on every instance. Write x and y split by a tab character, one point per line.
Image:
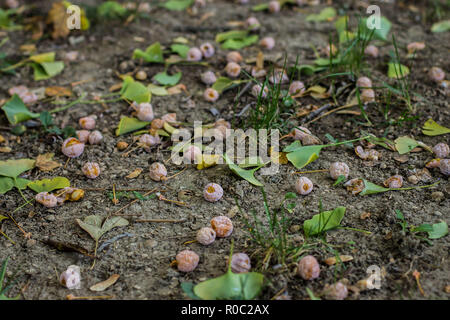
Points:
419	187
67	106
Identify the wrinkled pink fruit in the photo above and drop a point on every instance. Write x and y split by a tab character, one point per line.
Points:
444	166
267	43
234	56
87	123
296	87
278	76
308	268
83	135
70	278
222	225
256	91
91	170
187	260
212	192
436	74
240	262
394	182
208	78
144	112
149	140
303	185
72	147
233	69
207	50
367	95
252	23
194	54
95	137
211	95
158	171
339	169
206	236
274	6
372	51
46	199
337	291
170	118
441	150
364	82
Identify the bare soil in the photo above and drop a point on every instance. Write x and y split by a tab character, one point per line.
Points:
143	259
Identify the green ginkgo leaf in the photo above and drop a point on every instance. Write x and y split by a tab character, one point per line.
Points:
135	91
16	111
245	174
406	144
439	230
177	5
224	83
397	70
13	168
128	124
237	44
7	183
47	185
324	15
242	286
180	49
372	188
441	26
431	128
234	34
324	221
304	155
153	53
167	80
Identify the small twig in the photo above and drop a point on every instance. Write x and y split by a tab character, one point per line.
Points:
416	275
244	90
134	201
310	171
331	111
72	297
174	175
115	201
161	220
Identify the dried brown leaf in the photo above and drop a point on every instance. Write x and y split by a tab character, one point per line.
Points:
134	174
58	92
101	286
45	163
332	260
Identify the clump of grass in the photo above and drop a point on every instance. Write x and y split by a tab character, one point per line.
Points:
274	110
9	284
272	235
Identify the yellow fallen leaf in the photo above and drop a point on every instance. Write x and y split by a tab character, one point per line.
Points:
208	160
260	61
27	48
278	157
332	260
5	149
134	174
101	286
2	139
58	92
45	163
